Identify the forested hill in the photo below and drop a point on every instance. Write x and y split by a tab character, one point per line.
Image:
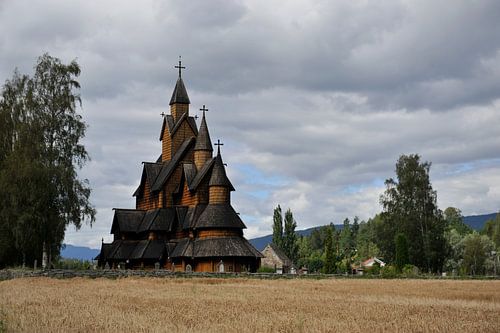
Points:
476	222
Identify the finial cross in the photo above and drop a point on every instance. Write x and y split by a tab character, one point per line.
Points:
180	66
203	109
162	114
218	144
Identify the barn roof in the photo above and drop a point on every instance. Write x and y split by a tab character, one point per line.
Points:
219	216
281	255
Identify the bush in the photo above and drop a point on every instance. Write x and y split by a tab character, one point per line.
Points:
265	269
373	270
389	272
410	271
73	264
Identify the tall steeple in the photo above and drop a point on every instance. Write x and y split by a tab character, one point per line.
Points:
203	148
179	102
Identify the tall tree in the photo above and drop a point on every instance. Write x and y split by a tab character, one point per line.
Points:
40	153
454	220
401	251
290	245
330	265
355	229
278	227
409	207
366	240
346	243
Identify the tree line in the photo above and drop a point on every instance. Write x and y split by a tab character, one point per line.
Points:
40	154
410	233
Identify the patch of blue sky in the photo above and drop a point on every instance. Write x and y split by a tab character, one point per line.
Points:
351	189
248	218
260	194
356	188
257	177
474	165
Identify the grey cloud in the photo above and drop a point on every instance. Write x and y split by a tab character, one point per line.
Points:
322	95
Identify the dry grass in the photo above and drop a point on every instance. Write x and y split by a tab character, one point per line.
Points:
241	305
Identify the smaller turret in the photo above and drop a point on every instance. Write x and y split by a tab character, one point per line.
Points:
219	185
203	148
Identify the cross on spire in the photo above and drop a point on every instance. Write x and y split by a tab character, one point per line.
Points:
203	109
180	67
218	144
162	114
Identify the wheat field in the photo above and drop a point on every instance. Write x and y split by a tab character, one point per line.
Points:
248	305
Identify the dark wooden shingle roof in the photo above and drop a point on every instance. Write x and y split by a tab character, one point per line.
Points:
215	247
121	250
203	141
179	95
218	176
201	174
126	220
169	167
219	216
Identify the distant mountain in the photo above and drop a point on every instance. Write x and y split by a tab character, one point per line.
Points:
476	222
79	252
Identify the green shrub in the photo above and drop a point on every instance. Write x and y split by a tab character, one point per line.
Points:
389	272
410	271
265	269
73	264
373	270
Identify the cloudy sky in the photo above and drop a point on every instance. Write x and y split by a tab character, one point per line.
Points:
314	100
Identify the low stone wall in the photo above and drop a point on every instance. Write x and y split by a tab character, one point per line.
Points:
8	274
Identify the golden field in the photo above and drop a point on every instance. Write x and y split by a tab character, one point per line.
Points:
248	305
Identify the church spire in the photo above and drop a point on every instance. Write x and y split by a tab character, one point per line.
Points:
219	177
179	96
203	141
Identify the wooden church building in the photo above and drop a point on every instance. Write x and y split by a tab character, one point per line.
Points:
183	220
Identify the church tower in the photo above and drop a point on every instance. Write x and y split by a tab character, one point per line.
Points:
183	220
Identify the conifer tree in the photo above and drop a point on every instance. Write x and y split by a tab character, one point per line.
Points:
278	227
290	246
330	265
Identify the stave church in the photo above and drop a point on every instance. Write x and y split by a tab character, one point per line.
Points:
183	220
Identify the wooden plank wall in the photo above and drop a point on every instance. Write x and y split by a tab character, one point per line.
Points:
219	195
